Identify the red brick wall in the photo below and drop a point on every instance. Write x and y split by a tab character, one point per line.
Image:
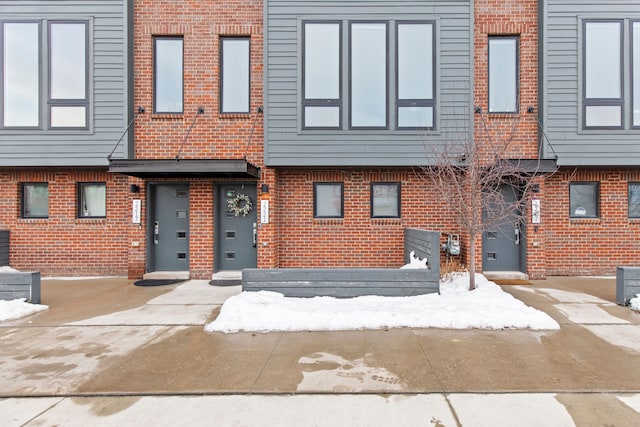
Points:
536	235
590	246
357	240
515	132
201	23
63	244
214	135
268	253
511	136
201	209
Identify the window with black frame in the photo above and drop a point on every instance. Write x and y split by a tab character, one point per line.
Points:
584	199
415	103
603	100
68	86
634	199
35	200
168	75
92	200
234	76
322	67
385	200
368	75
389	75
328	200
45	75
21	82
503	74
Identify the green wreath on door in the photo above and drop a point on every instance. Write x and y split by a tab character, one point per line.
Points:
240	205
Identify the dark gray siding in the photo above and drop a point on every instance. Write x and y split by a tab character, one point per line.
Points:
108	90
562	87
4	247
287	145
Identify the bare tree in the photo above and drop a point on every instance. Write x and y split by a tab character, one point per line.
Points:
471	175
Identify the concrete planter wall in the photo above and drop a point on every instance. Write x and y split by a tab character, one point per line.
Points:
627	284
341	282
353	282
14	285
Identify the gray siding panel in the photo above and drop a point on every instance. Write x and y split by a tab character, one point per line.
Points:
287	145
107	83
561	87
4	247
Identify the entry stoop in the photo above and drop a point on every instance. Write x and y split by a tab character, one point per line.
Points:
226	278
167	275
505	275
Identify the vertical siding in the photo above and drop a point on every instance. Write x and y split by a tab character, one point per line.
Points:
286	145
4	247
107	87
561	87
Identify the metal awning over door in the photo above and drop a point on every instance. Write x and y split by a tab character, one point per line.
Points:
184	168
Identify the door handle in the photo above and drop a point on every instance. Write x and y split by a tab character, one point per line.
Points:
156	232
516	229
255	235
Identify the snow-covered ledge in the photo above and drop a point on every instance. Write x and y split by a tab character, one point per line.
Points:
16	284
342	282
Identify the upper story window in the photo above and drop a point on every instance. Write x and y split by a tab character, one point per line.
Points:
602	75
234	91
414	70
375	48
21	74
26	65
503	74
368	77
635	72
168	75
322	68
68	89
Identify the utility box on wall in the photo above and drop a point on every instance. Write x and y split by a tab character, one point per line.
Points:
627	284
4	247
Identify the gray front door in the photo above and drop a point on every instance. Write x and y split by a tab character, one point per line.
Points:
169	227
236	231
502	243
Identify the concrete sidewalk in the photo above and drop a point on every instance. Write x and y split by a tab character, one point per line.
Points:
106	347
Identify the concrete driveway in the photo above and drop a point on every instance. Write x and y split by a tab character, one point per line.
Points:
107	351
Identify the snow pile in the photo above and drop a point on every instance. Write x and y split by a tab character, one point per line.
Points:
415	262
14	309
487	307
7	269
635	303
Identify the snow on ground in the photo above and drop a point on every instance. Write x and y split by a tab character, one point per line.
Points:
487	307
635	303
17	308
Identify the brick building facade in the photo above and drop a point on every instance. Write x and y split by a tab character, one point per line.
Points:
204	146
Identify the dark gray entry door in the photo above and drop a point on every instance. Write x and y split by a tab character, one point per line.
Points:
169	226
237	232
502	244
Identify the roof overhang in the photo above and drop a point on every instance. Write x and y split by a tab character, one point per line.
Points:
184	168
